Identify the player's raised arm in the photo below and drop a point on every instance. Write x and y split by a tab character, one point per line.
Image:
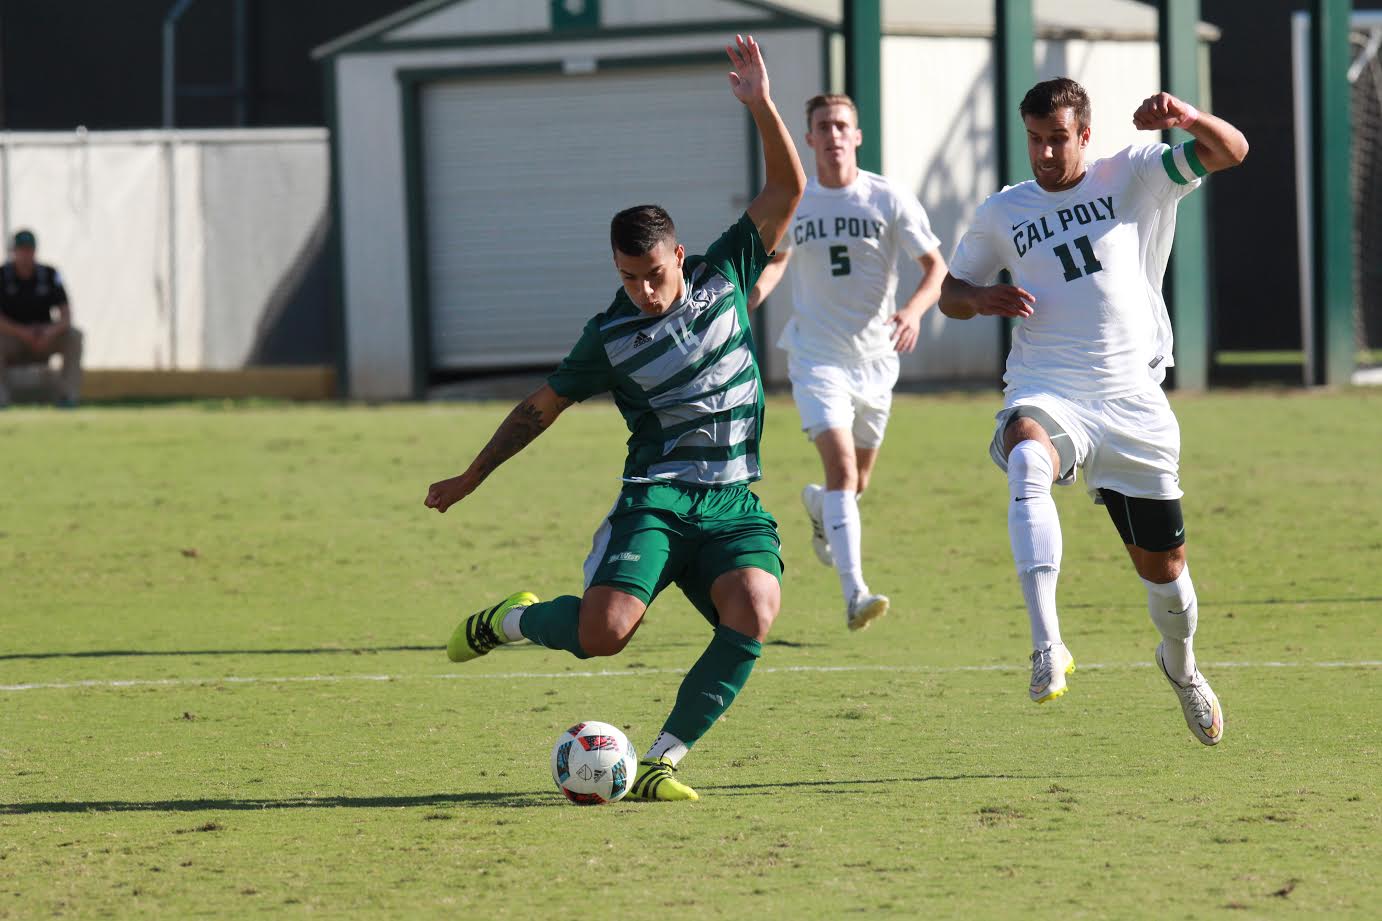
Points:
785	180
1218	145
524	423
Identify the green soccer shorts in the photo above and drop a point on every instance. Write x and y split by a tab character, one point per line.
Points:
691	535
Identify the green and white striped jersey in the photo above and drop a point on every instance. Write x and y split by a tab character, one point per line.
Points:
686	381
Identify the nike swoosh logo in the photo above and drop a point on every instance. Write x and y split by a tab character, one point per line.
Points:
1179	533
1021	224
836	527
1021	498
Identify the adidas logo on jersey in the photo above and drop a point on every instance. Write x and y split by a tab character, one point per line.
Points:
641	340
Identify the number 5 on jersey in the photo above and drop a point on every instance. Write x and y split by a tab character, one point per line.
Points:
839	260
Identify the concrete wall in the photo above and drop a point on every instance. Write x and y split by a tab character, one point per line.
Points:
180	250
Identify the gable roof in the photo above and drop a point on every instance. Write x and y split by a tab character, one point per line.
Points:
371	32
1126	20
1119	20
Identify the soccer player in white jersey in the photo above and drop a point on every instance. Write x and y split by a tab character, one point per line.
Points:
846	330
1086	244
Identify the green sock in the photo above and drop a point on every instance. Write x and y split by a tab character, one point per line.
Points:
555	624
712	684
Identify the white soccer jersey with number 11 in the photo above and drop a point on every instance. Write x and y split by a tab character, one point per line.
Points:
845	246
1093	256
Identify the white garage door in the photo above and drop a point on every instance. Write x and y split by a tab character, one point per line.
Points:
521	175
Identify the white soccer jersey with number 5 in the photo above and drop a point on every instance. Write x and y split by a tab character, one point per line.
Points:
1093	256
845	245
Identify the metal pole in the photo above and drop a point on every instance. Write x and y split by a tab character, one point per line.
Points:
4	186
1305	203
171	148
241	63
1187	277
863	26
1014	72
3	123
170	79
1333	359
1014	58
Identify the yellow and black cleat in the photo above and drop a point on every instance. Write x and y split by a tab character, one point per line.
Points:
483	630
655	783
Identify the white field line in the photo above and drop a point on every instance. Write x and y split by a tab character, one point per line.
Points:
625	673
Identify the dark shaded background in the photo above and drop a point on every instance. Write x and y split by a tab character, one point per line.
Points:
98	63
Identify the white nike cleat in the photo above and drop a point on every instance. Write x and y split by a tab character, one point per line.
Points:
1198	702
865	609
813	497
1050	665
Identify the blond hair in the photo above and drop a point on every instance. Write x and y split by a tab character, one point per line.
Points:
825	100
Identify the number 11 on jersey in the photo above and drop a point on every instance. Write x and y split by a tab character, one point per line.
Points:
1072	271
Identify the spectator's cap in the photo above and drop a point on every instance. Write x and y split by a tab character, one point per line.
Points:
25	238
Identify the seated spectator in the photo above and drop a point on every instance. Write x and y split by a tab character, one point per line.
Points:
30	295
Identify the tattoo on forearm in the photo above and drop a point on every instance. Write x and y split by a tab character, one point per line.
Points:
515	433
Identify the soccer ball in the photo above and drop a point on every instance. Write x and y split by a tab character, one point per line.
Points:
593	763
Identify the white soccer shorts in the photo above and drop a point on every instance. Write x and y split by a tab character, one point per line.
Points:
1130	444
857	398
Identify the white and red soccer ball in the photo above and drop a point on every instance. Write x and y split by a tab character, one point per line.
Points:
593	763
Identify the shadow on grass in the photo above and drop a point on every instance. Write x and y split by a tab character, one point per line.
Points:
325	650
1245	602
511	799
825	786
487	800
130	653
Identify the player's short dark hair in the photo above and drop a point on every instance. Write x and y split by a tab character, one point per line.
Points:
1061	93
825	100
634	231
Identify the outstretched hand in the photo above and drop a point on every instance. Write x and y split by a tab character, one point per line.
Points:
1160	113
749	79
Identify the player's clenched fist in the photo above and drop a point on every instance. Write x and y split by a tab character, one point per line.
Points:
1162	112
1004	301
443	494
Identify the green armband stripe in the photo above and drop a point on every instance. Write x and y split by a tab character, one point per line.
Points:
1168	161
1193	159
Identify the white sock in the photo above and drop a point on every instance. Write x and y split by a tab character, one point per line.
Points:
510	624
1034	531
668	746
844	530
1039	592
1175	612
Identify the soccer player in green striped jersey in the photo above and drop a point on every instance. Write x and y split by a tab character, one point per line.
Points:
675	350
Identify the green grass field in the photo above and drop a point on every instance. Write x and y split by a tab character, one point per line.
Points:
224	695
